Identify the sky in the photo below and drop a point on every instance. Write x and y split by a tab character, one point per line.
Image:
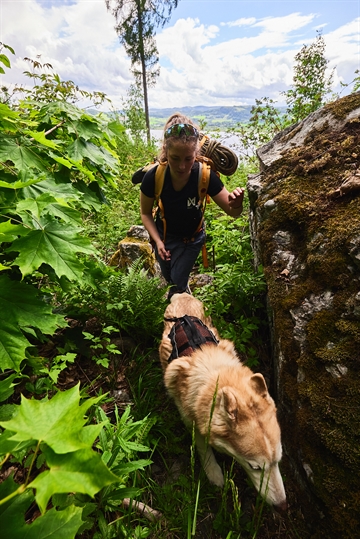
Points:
211	52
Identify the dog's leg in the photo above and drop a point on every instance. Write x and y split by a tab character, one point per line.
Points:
207	457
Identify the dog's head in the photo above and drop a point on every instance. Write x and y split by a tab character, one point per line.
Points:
244	425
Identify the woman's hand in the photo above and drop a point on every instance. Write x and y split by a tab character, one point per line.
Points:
231	203
236	198
163	253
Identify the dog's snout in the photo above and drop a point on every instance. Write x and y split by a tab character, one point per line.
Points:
281	507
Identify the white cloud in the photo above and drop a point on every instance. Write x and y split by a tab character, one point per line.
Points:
343	50
240	22
287	24
77	39
200	63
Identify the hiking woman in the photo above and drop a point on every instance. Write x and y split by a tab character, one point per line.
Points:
185	231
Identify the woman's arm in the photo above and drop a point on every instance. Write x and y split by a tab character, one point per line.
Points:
146	206
231	203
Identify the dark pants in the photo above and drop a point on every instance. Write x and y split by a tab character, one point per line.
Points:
183	256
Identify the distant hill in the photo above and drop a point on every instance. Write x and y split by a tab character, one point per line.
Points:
213	117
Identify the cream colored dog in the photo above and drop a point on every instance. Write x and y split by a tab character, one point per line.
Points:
229	405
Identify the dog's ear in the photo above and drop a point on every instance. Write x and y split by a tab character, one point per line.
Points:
229	403
258	384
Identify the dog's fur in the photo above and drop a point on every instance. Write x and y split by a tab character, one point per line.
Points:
229	405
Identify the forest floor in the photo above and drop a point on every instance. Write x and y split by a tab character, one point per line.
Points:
119	381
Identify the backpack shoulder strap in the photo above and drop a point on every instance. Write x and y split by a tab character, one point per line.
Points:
204	178
140	173
159	184
159	179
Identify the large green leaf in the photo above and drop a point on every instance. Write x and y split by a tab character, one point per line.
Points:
40	137
8	117
81	471
46	204
58	422
53	525
72	163
55	244
81	148
21	308
86	128
6	387
19	151
59	109
9	232
23	179
7	445
13	344
60	190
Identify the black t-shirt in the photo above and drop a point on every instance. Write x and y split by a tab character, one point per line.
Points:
181	209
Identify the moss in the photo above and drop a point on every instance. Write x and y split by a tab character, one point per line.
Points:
321	329
342	107
351	328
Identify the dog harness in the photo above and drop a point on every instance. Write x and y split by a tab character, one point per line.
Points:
187	334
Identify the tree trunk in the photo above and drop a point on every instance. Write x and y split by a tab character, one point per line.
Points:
143	70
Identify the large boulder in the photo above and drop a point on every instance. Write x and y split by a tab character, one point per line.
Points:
305	227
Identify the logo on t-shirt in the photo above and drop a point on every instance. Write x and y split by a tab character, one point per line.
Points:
191	203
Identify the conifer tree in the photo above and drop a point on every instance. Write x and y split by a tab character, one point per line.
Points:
136	23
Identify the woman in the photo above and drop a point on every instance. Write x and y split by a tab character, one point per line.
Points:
180	199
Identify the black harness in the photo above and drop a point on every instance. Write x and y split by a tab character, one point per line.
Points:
187	334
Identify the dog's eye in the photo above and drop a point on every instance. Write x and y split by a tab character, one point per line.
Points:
254	466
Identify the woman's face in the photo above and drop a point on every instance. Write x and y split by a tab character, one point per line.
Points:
181	157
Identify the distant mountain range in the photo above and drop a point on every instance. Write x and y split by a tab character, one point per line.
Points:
213	117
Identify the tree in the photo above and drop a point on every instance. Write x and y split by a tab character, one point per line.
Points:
136	21
311	84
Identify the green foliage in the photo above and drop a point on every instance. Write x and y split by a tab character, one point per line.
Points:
23	310
134	302
311	84
234	297
102	346
66	446
135	119
54	160
53	524
73	466
3	58
120	443
265	121
355	82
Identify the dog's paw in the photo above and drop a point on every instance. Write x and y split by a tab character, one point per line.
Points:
215	475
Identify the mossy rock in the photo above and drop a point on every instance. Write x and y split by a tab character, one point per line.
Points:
307	232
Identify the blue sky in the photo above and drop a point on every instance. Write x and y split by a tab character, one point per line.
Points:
222	52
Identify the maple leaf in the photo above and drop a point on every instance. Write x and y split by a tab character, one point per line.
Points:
53	525
58	422
81	471
55	244
21	308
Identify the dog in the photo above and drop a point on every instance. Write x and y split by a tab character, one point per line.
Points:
228	404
